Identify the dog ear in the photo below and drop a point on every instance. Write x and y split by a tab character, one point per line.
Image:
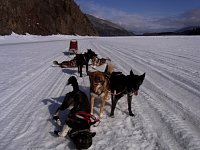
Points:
92	123
92	134
142	76
131	72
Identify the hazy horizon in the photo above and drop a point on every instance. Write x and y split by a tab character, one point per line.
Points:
145	16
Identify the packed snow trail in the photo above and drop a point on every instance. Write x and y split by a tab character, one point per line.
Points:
167	108
173	114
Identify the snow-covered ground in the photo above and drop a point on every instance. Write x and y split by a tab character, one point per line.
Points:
167	108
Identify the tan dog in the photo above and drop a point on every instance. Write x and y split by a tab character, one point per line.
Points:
99	87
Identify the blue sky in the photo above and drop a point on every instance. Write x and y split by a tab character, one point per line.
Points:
145	15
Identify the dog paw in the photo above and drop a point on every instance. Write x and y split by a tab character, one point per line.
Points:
101	115
57	120
131	114
112	116
56	132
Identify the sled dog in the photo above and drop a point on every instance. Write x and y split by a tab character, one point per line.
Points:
121	84
66	64
99	87
78	122
83	59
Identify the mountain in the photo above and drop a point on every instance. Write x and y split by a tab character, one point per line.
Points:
107	28
193	30
43	17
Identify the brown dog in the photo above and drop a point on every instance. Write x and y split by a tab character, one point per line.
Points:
99	87
66	64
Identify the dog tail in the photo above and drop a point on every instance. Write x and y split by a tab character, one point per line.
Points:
109	68
56	63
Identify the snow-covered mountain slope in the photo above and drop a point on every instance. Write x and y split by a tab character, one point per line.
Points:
167	108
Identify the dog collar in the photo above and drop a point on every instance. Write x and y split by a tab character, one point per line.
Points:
100	95
79	131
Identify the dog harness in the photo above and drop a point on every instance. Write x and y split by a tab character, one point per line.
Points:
88	117
115	93
84	58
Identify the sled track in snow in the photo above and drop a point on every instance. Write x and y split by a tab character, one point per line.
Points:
185	132
177	120
26	98
167	107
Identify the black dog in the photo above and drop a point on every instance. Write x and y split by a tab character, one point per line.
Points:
80	133
83	59
120	85
76	123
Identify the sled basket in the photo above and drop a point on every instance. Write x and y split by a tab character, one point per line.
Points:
73	47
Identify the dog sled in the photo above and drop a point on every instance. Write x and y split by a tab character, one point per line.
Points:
73	46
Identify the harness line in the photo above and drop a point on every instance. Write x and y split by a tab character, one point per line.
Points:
76	132
118	92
